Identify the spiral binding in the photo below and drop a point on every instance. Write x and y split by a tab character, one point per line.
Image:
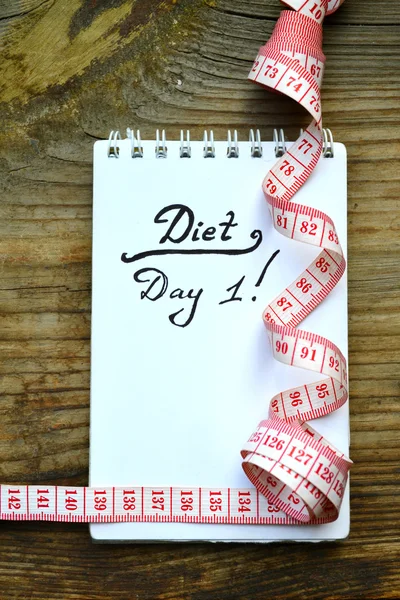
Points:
209	146
280	143
136	143
327	143
161	147
232	150
256	146
185	150
113	146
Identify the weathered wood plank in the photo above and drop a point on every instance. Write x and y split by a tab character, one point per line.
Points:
70	72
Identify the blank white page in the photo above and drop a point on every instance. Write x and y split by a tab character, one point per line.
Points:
172	405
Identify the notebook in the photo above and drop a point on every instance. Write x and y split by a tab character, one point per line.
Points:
181	366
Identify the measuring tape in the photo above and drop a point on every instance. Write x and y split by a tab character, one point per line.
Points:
140	504
298	476
288	462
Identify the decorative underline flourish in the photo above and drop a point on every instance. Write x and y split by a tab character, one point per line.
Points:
255	235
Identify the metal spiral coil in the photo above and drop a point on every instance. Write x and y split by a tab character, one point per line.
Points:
136	143
232	149
161	147
209	146
280	143
255	144
113	146
185	151
327	144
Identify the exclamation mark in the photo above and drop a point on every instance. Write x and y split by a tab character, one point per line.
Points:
260	279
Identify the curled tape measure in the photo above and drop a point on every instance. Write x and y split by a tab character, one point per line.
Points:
288	462
298	476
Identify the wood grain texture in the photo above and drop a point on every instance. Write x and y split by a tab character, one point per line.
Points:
71	71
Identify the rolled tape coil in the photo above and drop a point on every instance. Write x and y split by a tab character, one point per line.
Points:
293	466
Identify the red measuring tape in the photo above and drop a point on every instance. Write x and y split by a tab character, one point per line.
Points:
140	504
287	461
298	476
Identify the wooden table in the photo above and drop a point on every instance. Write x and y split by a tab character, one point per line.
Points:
71	72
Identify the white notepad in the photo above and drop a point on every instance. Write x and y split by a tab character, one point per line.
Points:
173	404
